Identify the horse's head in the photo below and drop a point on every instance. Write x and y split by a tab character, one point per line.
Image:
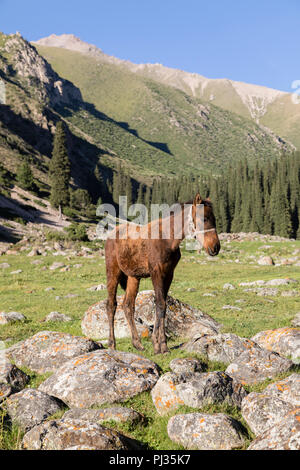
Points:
205	225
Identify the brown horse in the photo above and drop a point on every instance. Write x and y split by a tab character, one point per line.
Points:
130	257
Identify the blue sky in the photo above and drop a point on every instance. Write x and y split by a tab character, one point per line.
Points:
255	41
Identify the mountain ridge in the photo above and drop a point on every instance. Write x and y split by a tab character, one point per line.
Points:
266	106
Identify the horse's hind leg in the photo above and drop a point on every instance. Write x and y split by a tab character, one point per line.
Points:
113	276
128	306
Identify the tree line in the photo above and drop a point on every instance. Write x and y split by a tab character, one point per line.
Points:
259	197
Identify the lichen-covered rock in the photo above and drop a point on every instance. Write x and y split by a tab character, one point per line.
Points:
75	434
102	376
48	350
296	320
119	414
164	394
262	411
206	431
224	347
181	319
11	317
284	341
12	379
284	435
287	389
257	364
195	390
186	365
31	407
265	261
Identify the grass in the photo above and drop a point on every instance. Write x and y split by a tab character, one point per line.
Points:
25	292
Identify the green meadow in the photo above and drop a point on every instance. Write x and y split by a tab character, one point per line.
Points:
26	293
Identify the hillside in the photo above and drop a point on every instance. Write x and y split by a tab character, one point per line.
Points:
271	108
199	134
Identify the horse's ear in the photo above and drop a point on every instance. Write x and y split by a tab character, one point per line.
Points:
198	199
208	199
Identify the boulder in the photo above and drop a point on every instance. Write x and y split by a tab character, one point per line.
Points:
56	316
287	389
285	435
11	317
205	431
31	407
48	350
261	411
256	365
223	347
102	376
12	379
265	261
120	414
195	390
181	319
75	434
284	341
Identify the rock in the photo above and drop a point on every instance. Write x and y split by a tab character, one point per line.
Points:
265	261
48	289
195	390
284	341
120	414
4	265
34	252
252	283
181	319
186	365
11	317
18	271
231	307
224	347
70	433
56	265
287	389
164	394
48	350
12	379
191	289
280	282
261	411
228	286
103	376
285	435
70	296
296	320
265	291
290	293
256	365
31	407
205	431
56	316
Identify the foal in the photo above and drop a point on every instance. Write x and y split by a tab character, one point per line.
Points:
132	257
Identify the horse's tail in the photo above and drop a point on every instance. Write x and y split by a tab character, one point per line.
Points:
123	281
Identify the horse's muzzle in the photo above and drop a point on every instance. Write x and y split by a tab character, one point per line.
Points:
215	250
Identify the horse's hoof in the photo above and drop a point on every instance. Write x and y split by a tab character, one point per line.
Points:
138	346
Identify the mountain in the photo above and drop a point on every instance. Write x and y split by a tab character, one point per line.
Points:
271	108
114	116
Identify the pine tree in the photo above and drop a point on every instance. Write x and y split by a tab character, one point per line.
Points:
60	169
25	176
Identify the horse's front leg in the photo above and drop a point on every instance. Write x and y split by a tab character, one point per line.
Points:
159	335
129	306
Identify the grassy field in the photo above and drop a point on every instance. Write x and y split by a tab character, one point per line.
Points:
25	293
